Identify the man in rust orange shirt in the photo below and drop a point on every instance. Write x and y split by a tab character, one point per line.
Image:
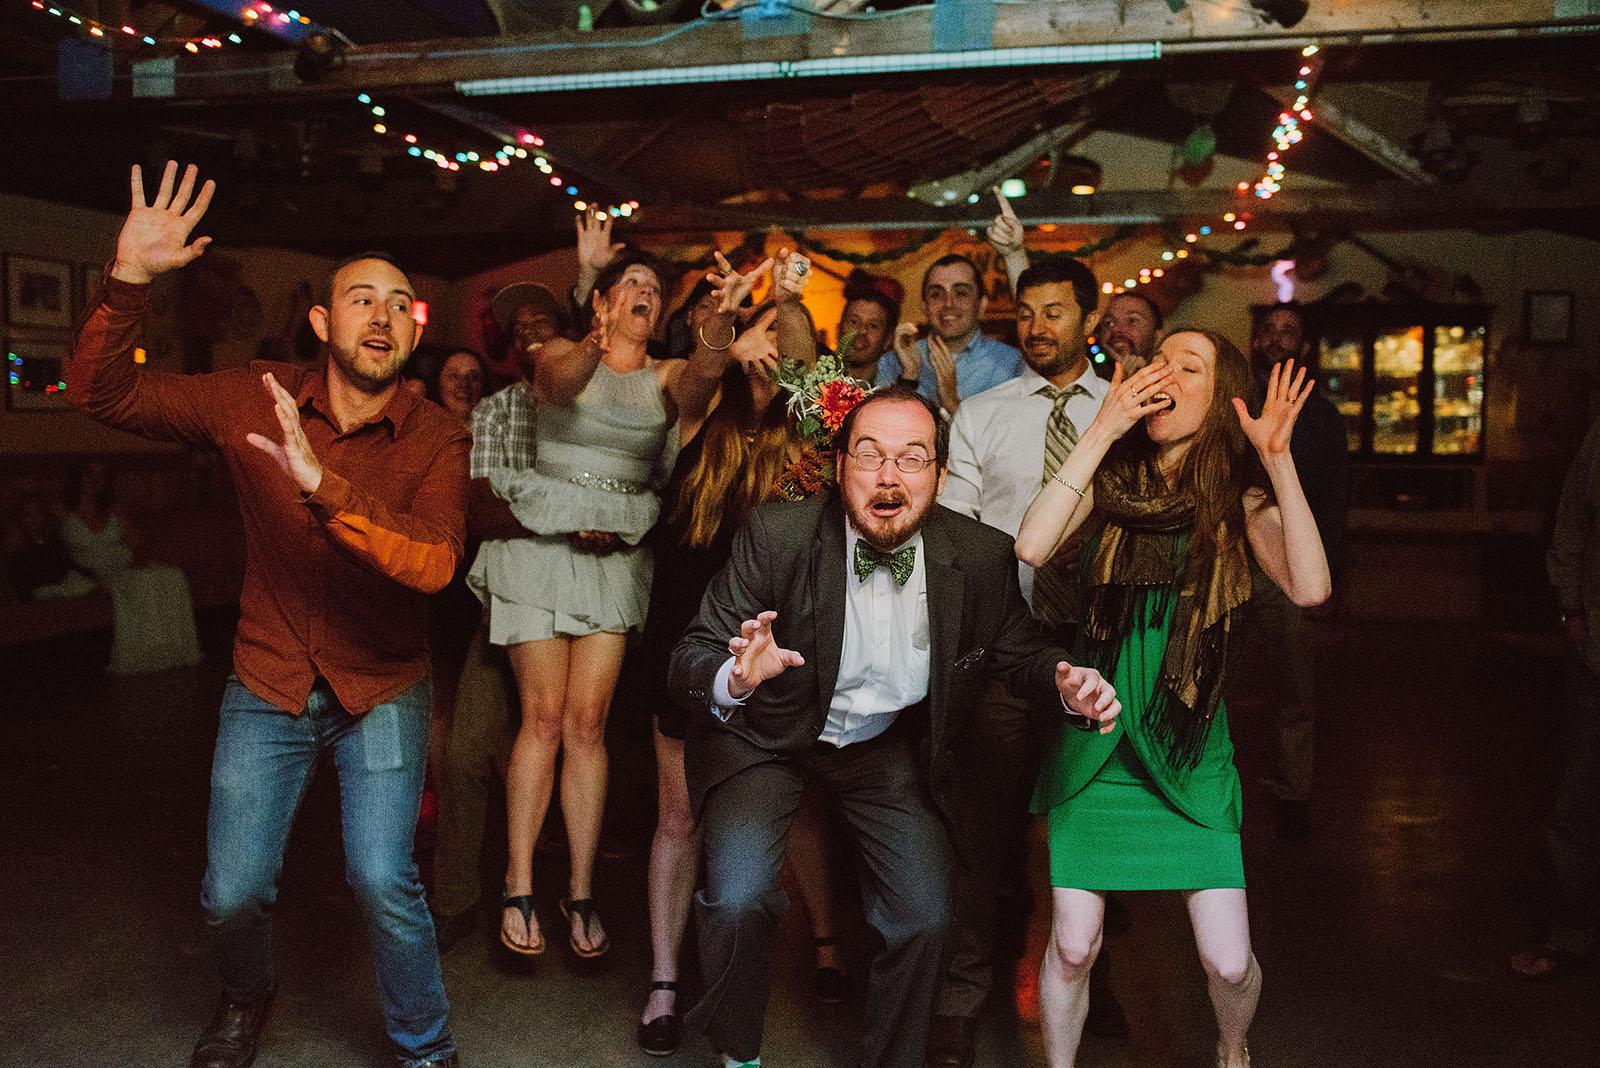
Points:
353	494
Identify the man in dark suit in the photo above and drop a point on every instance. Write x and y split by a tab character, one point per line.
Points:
846	642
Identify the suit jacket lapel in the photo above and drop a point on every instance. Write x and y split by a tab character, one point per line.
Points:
827	600
946	602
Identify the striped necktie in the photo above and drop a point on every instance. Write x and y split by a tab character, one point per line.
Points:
1053	581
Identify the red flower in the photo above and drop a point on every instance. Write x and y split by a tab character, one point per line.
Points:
835	400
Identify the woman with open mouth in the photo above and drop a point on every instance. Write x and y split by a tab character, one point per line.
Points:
1174	484
607	435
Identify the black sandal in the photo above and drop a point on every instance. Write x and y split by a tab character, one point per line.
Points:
523	903
660	1037
831	985
583	908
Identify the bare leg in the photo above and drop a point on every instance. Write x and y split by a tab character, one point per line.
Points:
807	860
541	671
674	856
1222	934
1075	930
596	660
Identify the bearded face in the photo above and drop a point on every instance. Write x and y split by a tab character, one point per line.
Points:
367	324
886	505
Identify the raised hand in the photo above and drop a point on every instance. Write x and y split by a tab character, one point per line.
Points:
595	248
294	456
944	364
754	348
155	237
790	274
905	347
1287	391
1005	232
1131	399
731	286
1087	693
757	656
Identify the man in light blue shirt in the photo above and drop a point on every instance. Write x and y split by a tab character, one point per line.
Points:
955	361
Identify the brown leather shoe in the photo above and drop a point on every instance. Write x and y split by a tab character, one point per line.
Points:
951	1041
230	1041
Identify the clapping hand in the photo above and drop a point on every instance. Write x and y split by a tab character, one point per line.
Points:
905	347
731	286
944	371
1287	390
294	456
757	656
155	237
1086	693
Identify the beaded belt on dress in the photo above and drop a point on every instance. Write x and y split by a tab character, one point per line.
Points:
610	485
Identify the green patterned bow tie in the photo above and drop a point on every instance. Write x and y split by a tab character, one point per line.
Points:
900	562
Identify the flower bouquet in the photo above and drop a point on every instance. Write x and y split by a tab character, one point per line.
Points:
820	396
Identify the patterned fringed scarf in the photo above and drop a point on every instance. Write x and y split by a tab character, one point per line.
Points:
1133	568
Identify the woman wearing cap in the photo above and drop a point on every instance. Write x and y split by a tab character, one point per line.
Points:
607	432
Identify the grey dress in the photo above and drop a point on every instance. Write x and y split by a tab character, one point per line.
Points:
599	462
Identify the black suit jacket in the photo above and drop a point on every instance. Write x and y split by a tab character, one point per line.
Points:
790	558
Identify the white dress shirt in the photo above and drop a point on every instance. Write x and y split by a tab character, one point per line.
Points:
997	450
883	667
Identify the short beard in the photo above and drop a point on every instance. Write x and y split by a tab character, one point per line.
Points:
908	525
365	382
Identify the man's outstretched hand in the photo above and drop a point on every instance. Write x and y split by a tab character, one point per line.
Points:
1087	693
757	656
155	237
294	456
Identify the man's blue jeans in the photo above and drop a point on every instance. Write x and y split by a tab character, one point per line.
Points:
263	764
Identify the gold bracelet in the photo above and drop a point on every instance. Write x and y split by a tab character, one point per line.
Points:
733	332
1057	478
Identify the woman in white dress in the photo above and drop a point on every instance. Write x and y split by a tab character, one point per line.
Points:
154	617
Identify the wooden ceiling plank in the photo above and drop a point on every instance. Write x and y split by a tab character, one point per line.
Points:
1331	119
439	65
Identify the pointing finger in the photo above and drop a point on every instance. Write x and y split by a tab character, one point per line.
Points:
1005	203
136	186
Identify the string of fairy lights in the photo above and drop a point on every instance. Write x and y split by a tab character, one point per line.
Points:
260	15
264	16
524	146
1285	135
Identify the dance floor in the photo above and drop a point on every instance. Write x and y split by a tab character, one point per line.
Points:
1383	938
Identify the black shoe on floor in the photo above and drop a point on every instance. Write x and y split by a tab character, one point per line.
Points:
660	1037
449	1060
230	1041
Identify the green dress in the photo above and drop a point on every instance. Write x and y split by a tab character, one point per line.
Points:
1122	818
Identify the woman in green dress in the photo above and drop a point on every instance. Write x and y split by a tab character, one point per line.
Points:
1170	513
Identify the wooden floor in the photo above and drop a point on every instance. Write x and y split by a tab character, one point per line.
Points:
1383	939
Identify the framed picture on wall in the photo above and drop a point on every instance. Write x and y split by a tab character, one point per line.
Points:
1547	317
36	374
38	292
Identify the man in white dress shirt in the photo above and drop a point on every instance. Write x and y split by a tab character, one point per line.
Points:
862	630
1003	443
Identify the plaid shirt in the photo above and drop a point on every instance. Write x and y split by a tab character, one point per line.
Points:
503	427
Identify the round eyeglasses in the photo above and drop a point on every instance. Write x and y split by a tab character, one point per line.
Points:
908	463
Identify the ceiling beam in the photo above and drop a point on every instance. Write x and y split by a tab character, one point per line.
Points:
1333	120
1200	27
1389	203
